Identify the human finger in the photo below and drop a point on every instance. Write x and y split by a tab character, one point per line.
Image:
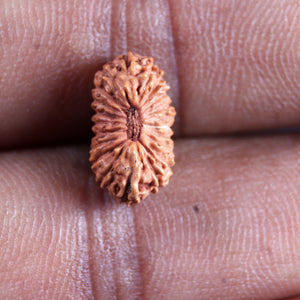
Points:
233	66
225	226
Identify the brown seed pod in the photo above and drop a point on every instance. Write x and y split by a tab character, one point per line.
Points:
132	150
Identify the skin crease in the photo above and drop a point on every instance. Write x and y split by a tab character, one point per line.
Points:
226	227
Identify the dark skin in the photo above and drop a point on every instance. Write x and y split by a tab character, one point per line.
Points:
228	224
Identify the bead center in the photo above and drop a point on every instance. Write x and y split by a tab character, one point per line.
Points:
134	123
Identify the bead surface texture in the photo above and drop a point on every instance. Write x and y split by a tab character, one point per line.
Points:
132	150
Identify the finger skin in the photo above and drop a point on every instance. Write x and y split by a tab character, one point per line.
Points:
240	67
232	65
226	226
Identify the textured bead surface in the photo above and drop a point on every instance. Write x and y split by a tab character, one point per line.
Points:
132	150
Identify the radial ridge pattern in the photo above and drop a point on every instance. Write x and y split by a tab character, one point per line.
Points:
132	150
